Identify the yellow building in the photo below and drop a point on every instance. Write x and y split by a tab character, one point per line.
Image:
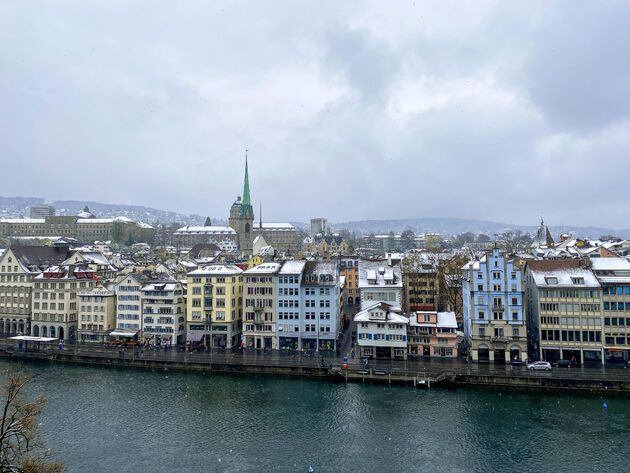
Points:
215	305
18	266
55	308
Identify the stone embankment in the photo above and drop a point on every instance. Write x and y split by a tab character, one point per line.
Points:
418	374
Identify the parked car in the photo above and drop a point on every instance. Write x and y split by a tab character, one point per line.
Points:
539	365
562	364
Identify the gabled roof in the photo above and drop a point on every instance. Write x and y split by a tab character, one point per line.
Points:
36	258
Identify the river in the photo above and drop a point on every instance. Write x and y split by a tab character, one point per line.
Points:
122	420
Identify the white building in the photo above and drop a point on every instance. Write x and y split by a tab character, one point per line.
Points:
381	332
380	282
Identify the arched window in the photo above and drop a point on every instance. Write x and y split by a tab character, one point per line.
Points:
247	228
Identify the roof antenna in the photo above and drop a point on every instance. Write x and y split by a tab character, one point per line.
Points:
260	217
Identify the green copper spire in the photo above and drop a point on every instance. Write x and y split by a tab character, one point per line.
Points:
246	206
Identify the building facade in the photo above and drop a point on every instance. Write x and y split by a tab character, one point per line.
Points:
381	332
163	312
97	314
215	305
259	324
495	328
613	275
225	238
432	334
380	282
564	311
55	301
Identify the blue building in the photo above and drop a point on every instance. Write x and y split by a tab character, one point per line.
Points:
494	320
289	305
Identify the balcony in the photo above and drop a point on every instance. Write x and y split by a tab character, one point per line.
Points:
499	307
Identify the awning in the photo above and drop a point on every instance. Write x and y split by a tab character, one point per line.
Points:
194	337
122	332
26	338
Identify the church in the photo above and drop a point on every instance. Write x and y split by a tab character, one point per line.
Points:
282	236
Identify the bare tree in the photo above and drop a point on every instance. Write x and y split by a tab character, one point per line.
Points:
22	449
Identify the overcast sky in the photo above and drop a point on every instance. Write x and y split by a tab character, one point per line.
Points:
492	110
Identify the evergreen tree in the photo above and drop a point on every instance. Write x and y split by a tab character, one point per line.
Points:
208	222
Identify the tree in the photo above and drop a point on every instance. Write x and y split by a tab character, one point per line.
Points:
407	240
515	241
391	241
483	238
208	223
117	232
22	449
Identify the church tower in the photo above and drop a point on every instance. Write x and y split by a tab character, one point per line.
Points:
242	217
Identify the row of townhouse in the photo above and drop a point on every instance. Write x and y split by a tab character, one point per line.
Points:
571	309
293	304
383	331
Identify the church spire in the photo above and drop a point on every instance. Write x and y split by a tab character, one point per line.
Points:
246	206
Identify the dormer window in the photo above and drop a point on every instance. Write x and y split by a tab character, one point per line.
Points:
550	280
577	280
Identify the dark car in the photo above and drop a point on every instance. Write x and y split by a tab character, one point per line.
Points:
562	364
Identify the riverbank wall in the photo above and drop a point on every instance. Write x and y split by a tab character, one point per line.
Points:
425	378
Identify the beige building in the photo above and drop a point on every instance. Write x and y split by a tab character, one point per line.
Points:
97	313
55	301
259	324
564	311
83	227
18	266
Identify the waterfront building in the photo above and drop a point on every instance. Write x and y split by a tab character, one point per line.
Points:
381	332
495	326
259	324
349	267
163	312
225	238
215	305
421	285
380	281
129	304
97	313
613	275
564	316
19	265
291	323
55	311
320	300
432	334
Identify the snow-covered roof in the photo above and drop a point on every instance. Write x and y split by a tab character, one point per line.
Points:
565	278
610	264
22	220
159	286
275	226
378	273
391	317
216	270
446	320
264	268
210	230
292	267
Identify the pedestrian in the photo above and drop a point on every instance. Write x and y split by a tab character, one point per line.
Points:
141	353
352	352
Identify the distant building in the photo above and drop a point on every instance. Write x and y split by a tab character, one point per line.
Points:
225	238
83	227
325	246
41	211
319	226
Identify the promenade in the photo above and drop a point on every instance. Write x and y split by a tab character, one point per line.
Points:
326	366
